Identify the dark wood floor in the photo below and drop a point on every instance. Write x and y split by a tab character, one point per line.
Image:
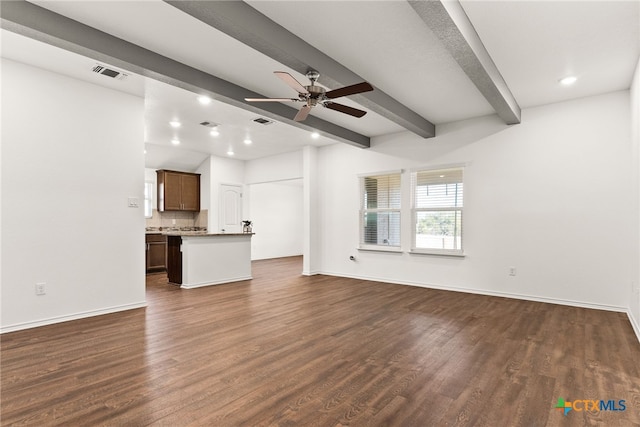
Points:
289	350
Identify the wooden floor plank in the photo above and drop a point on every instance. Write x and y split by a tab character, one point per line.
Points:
284	349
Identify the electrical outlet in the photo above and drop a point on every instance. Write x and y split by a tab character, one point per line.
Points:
512	271
40	289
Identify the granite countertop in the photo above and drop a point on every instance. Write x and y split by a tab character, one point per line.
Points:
168	230
204	234
188	231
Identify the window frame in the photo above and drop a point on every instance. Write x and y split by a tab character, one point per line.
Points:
148	201
362	245
415	212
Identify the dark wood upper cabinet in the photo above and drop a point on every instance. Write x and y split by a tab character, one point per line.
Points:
191	193
178	191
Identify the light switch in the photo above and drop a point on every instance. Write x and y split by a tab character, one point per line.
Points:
133	202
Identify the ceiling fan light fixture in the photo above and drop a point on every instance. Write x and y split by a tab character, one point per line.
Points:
313	95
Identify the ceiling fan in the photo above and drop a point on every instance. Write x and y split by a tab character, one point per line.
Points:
313	95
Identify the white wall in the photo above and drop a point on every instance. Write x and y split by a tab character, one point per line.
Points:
277	215
205	184
72	154
311	244
275	205
220	171
634	292
549	196
274	168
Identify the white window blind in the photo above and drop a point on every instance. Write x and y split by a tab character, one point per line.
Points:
380	205
437	209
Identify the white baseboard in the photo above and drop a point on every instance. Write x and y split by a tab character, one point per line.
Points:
66	318
635	323
571	303
313	273
219	282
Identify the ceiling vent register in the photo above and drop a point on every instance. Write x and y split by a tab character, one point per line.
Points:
101	69
210	124
263	121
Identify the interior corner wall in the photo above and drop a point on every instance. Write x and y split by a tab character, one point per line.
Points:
549	196
205	185
311	208
634	291
72	155
276	212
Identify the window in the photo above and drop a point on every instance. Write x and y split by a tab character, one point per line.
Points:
437	207
148	199
380	211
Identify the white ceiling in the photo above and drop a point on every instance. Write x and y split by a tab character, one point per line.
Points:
533	44
165	103
536	43
390	46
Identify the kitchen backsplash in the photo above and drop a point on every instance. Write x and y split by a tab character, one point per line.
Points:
180	220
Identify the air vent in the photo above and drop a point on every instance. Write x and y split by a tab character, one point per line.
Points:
101	69
209	124
263	121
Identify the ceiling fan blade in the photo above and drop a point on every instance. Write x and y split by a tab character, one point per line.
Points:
288	79
302	114
345	109
271	99
349	90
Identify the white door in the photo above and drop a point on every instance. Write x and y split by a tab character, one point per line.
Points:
231	208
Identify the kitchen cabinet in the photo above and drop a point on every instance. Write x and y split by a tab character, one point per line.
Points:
156	252
178	191
174	259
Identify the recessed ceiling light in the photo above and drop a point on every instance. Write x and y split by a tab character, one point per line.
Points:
175	141
441	176
145	151
230	152
315	135
569	80
214	133
204	100
247	141
175	124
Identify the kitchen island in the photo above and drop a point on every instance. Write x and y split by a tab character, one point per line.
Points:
199	259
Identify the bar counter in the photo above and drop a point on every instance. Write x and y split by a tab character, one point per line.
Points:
196	259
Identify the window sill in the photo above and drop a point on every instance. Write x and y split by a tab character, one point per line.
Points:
437	253
381	249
